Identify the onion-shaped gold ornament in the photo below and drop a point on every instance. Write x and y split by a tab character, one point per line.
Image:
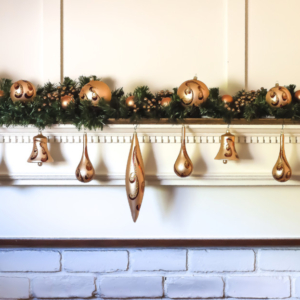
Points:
94	91
135	178
22	90
282	171
183	166
278	96
193	92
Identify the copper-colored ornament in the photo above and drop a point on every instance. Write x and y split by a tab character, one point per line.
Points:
297	95
227	148
66	100
165	101
282	171
22	90
1	93
227	98
40	153
85	171
135	178
278	96
94	91
183	166
193	92
130	102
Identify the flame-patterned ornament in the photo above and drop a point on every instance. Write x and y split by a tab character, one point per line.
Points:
135	178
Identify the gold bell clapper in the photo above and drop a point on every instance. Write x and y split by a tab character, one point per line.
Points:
40	153
227	148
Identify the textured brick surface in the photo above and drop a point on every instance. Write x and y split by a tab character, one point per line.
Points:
131	287
14	288
29	261
221	260
95	261
154	260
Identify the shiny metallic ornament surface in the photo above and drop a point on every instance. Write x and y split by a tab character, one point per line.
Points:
94	91
227	98
183	166
135	178
66	100
22	90
193	92
165	101
282	171
40	153
278	96
227	148
297	95
130	102
1	93
85	171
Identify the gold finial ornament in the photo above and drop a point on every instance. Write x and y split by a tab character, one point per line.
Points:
22	90
227	148
135	178
282	171
40	153
278	96
85	171
183	166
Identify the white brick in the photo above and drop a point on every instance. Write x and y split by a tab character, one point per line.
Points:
63	286
29	261
95	261
258	287
296	287
14	287
279	260
158	260
221	260
131	287
194	287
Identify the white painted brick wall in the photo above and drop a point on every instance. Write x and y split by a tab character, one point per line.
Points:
155	260
221	260
14	287
95	261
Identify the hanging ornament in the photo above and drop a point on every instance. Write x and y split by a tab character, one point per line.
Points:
135	178
22	90
282	171
85	171
193	92
227	98
66	100
130	102
297	95
278	96
40	153
1	93
94	91
227	148
183	166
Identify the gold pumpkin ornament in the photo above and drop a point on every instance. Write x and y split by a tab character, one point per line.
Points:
278	96
193	92
94	91
22	90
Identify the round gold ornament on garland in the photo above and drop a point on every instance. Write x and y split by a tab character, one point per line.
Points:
193	92
22	90
94	91
297	95
163	98
66	100
227	98
278	96
130	102
165	101
1	93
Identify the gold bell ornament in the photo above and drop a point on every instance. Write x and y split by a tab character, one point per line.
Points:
227	149
282	171
183	166
135	178
40	153
85	171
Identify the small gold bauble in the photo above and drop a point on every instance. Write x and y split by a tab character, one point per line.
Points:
22	90
297	95
94	91
193	92
165	101
66	100
1	93
130	102
227	98
278	96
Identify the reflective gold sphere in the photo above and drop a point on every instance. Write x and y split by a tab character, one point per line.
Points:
65	101
22	90
297	95
278	96
130	102
165	101
1	93
227	98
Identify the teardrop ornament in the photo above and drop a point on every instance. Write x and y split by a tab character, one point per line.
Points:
135	178
183	166
85	171
282	171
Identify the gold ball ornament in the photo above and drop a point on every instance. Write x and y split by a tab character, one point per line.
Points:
66	100
165	101
278	96
130	102
193	92
94	91
297	95
22	90
1	93
227	98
